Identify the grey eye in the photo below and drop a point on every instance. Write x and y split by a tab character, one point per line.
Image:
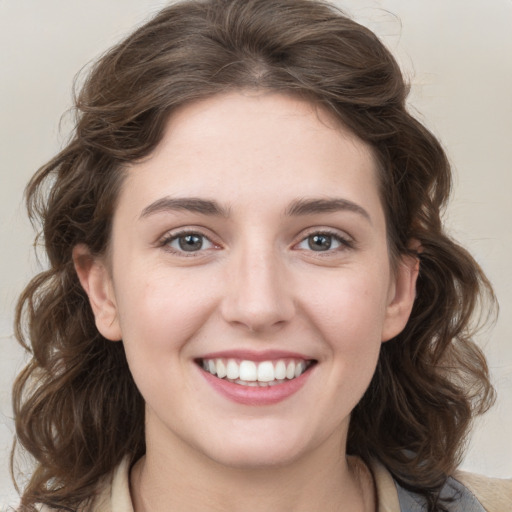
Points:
189	242
320	242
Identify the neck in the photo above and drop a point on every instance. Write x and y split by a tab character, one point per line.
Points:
182	480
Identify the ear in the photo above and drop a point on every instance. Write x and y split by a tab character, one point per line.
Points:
402	295
97	283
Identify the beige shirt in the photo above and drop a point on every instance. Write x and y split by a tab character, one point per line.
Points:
494	494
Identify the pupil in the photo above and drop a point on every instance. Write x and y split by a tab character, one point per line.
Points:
190	242
319	242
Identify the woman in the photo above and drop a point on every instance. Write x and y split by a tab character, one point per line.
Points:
251	302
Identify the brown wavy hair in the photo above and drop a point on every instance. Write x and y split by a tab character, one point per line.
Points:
77	409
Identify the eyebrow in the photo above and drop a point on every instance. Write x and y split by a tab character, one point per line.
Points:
298	207
190	204
325	205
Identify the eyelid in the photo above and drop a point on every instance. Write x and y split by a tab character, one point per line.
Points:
165	240
345	240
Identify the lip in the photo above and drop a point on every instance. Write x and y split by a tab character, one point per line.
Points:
255	395
266	355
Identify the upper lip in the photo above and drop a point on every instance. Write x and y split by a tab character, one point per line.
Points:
252	355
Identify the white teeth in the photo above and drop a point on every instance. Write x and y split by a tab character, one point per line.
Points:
250	373
280	370
290	370
251	384
299	368
258	384
266	371
221	368
232	370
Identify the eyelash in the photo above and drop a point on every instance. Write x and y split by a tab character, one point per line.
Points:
166	241
344	242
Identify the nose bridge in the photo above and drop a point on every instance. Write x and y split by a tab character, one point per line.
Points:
258	296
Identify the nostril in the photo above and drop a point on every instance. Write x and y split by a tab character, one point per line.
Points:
258	301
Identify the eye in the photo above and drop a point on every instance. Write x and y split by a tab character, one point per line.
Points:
322	242
188	242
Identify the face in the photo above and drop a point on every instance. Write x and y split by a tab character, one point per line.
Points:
249	280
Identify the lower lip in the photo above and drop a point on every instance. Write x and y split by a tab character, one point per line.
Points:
256	395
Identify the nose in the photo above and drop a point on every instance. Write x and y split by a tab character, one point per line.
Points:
259	297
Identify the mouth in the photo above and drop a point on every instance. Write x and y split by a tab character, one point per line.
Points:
246	372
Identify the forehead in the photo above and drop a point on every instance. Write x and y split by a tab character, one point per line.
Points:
248	146
257	119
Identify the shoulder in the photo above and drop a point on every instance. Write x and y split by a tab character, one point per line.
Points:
495	494
466	492
113	493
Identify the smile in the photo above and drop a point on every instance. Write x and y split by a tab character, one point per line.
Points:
256	374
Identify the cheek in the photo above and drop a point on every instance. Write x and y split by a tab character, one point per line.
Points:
161	312
159	317
349	313
349	306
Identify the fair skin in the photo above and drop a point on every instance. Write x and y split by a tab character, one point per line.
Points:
281	256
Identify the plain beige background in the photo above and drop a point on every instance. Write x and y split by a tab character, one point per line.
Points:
456	53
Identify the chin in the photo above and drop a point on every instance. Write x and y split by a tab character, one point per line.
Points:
255	459
273	449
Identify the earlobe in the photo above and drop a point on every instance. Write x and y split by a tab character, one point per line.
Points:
402	300
97	283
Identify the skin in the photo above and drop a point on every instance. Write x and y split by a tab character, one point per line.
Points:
255	284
